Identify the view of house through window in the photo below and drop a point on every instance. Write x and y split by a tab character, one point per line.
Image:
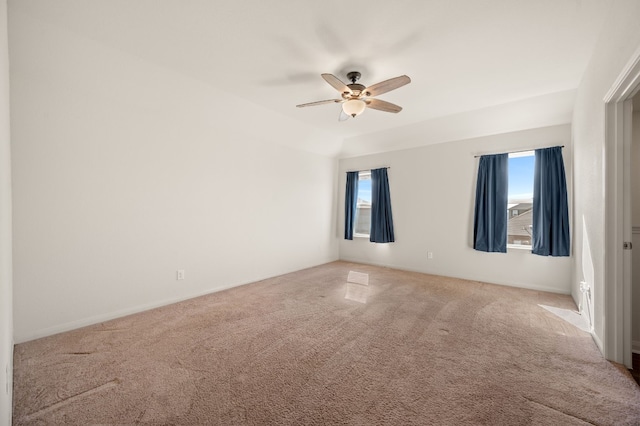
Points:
520	204
363	209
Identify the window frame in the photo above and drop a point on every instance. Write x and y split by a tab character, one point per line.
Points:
527	247
367	176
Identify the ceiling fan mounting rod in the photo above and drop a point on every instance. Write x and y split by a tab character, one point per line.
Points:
353	76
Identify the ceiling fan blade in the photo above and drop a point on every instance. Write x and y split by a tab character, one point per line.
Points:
343	116
336	83
383	105
387	85
328	101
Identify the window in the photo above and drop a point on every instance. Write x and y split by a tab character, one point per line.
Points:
509	181
363	206
520	204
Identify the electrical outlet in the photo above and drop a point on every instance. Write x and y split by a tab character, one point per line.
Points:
180	274
430	255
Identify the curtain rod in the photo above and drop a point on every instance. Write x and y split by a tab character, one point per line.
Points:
515	152
367	170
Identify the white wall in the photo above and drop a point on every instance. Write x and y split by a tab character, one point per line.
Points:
635	223
549	109
619	40
432	193
6	286
125	171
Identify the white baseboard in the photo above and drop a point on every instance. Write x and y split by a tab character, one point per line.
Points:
503	283
596	339
84	322
96	319
635	347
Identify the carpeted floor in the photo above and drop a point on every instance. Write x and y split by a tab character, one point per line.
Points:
406	348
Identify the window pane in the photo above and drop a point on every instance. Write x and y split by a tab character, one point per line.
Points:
520	205
363	210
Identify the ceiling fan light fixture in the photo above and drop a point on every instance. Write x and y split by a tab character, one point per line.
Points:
354	107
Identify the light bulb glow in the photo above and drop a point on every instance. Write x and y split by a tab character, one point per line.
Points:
353	107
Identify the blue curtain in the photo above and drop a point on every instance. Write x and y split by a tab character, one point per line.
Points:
350	204
550	207
381	217
490	218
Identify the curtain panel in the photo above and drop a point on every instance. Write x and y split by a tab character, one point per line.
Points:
350	204
381	217
490	216
550	206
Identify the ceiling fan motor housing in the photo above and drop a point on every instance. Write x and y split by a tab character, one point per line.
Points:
356	90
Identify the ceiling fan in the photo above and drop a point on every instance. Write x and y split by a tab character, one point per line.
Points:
356	97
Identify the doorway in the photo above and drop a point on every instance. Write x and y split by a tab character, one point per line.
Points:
618	304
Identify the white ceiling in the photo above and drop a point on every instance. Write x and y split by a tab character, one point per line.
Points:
461	55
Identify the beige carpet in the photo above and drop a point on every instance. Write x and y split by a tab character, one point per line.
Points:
410	349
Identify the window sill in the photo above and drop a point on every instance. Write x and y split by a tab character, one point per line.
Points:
520	247
361	236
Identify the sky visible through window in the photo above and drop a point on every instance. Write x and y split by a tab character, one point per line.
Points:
364	189
521	177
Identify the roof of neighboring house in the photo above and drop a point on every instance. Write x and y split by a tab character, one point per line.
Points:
519	225
520	206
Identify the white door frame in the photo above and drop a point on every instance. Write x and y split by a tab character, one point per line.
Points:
617	148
